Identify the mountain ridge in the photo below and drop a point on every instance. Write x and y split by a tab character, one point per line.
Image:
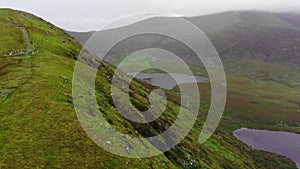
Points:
234	34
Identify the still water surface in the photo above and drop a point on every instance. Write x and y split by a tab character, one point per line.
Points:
282	143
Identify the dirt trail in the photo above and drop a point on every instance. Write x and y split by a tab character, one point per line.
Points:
28	40
27	37
28	53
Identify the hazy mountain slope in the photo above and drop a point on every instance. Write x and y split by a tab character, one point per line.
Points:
291	18
215	23
39	127
236	35
260	36
81	36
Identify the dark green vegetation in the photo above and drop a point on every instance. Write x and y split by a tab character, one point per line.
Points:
39	127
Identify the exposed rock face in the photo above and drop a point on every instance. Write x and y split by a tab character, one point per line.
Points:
16	53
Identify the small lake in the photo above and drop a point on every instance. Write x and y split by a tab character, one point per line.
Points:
165	80
282	143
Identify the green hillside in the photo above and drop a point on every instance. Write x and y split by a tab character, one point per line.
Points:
38	123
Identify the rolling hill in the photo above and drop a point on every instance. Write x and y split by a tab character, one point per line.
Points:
38	123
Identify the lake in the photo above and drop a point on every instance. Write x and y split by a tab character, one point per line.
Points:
282	143
165	80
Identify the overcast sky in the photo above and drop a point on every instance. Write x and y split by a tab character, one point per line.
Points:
84	15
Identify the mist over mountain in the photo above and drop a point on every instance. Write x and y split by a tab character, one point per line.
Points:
270	37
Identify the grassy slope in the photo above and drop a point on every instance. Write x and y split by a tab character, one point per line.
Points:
266	93
39	127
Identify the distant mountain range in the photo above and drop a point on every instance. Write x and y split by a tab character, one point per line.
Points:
271	37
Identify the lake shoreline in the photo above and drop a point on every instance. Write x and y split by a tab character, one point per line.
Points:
278	142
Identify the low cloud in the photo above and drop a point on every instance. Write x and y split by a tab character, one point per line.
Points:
82	15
